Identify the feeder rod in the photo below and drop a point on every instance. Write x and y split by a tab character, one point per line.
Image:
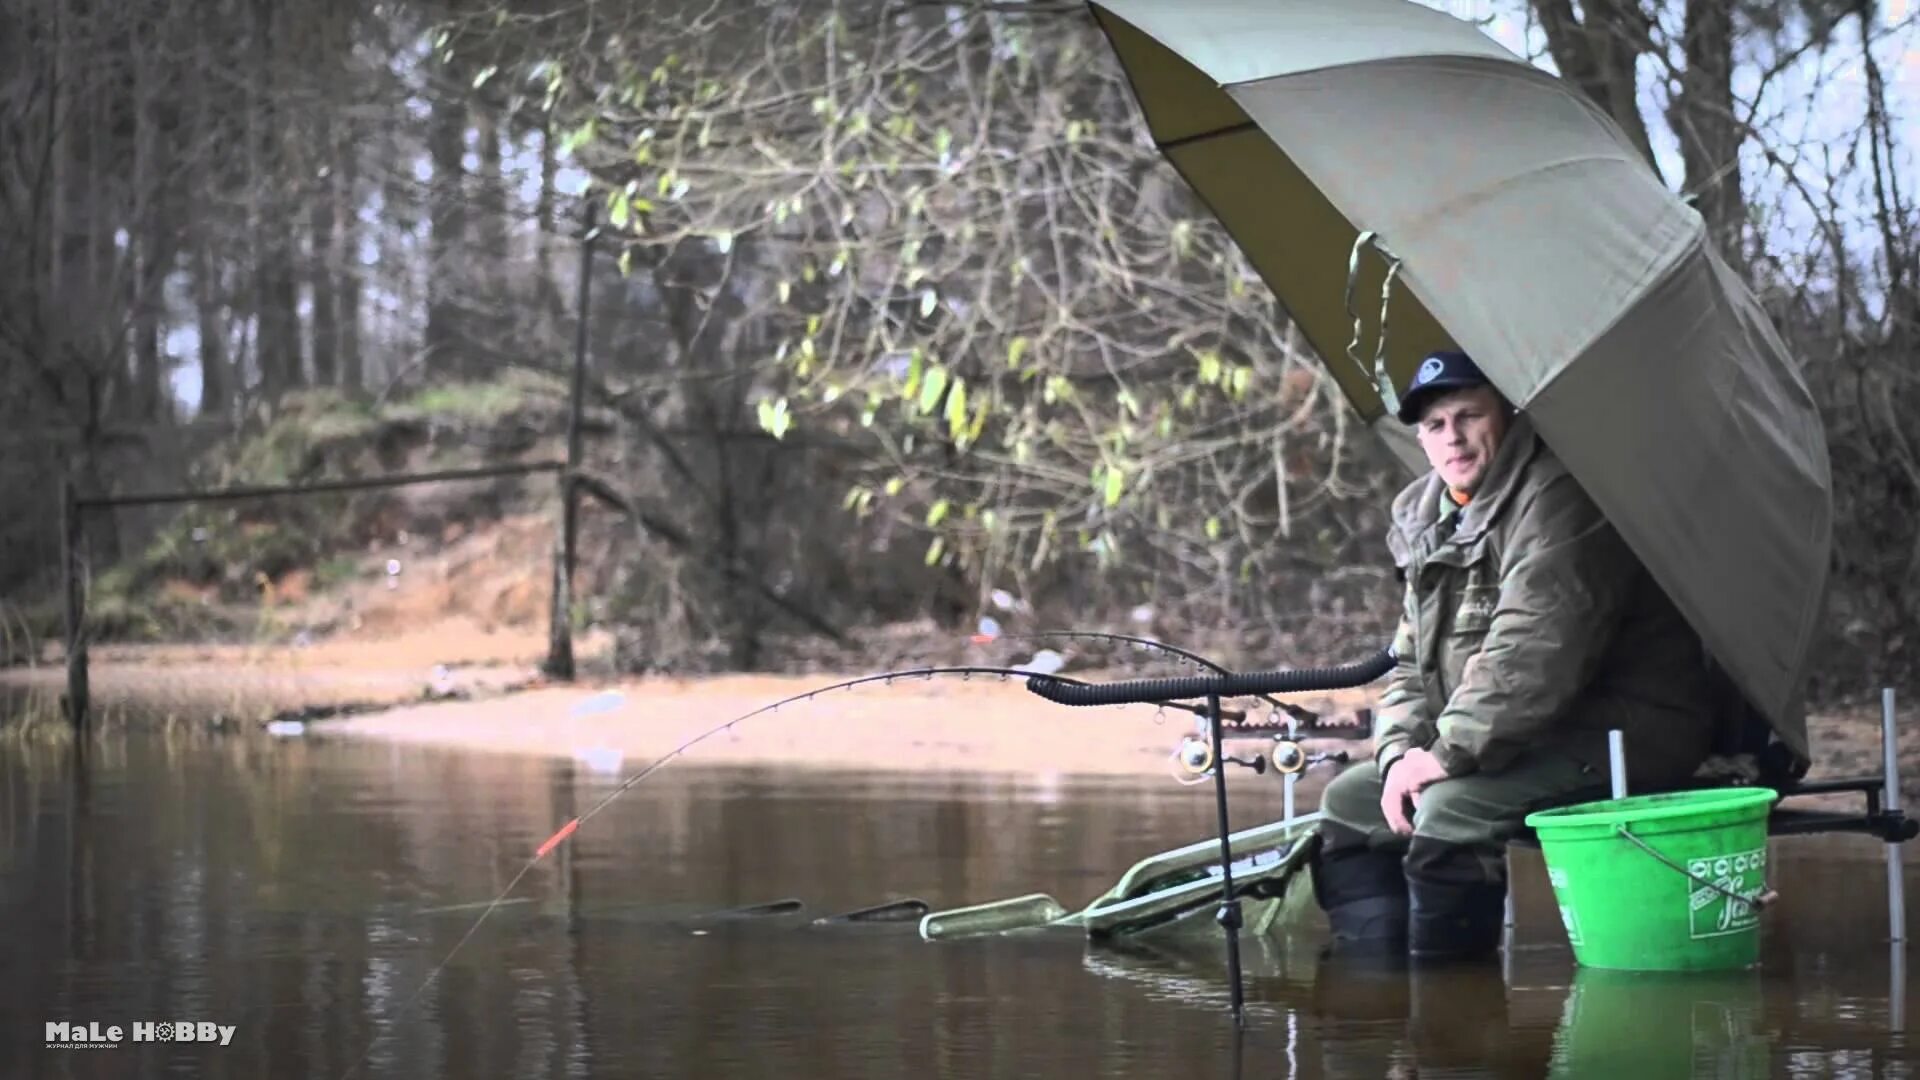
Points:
1890	802
1617	762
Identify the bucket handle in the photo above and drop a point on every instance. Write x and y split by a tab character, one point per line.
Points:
1762	898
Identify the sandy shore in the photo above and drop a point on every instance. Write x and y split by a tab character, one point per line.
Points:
937	724
500	703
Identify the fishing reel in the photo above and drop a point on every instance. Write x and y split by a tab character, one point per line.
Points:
1287	757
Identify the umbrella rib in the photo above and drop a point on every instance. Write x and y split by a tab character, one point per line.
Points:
1188	140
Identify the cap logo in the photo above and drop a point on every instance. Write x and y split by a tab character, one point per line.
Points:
1430	370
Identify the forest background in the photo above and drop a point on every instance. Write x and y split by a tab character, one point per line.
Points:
897	316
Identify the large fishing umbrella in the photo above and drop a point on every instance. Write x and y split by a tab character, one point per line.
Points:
1382	150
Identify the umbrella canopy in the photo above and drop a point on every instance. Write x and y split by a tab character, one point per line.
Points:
1531	234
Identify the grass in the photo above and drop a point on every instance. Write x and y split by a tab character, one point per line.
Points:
484	403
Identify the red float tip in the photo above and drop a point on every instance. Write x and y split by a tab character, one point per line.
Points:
554	840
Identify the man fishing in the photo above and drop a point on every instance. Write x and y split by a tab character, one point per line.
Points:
1529	629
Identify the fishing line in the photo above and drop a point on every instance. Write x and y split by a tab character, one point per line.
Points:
1057	688
566	830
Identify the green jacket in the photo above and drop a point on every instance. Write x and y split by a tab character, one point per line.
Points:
1529	622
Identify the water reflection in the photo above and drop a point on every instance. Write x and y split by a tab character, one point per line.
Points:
305	891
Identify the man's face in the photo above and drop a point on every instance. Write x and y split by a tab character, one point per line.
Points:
1460	431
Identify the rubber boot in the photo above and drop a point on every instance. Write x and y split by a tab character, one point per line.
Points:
1364	893
1458	1018
1455	921
1370	988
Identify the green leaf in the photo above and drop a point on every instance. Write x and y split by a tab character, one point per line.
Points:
930	390
1016	349
1213	528
934	549
1116	484
774	417
1209	367
979	422
915	370
579	136
894	484
938	513
486	73
957	409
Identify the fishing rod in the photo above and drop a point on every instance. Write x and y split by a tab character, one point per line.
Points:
1058	688
1299	714
1214	687
1155	643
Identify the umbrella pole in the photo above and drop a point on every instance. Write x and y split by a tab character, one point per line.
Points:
1229	916
1890	803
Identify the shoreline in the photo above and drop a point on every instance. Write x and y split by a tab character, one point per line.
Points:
912	726
494	699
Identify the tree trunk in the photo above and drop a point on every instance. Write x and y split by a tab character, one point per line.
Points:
212	126
344	192
1598	56
147	281
446	139
216	386
57	126
278	344
1710	136
544	217
323	267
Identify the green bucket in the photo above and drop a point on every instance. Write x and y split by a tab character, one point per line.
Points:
1651	1025
1668	882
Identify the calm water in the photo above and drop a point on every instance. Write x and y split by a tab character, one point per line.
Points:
285	887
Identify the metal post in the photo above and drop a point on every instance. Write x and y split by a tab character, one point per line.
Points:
1507	919
1890	801
1229	915
1617	762
72	539
560	634
1287	779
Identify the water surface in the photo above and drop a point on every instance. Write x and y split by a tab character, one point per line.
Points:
288	887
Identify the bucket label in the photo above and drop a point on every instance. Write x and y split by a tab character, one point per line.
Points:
1558	879
1712	913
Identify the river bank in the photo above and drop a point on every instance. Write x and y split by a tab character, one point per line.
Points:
461	687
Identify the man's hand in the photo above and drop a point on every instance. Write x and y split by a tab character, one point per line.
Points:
1412	774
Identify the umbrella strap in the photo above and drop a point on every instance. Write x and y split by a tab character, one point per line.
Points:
1383	384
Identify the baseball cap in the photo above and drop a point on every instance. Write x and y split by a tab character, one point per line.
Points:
1438	373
